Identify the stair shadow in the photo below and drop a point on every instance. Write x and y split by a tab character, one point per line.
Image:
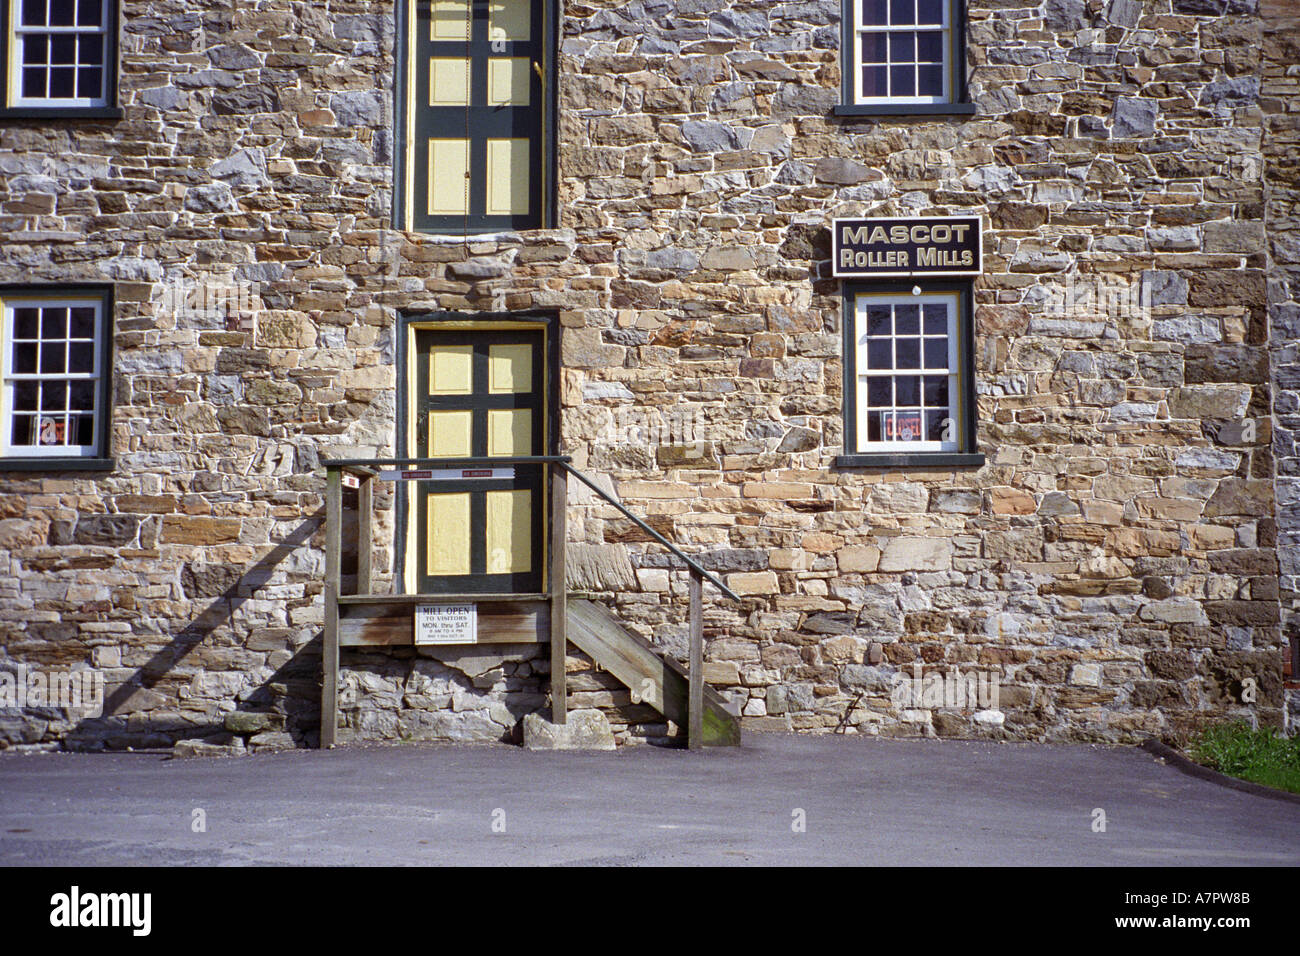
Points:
103	732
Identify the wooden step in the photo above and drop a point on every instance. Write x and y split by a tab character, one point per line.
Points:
652	678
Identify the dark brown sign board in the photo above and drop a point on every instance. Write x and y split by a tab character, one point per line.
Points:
917	246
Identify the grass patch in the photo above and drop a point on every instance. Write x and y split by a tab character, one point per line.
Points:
1261	756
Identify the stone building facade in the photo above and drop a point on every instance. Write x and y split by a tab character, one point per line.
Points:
1118	553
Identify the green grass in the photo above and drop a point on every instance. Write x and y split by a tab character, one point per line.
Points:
1260	756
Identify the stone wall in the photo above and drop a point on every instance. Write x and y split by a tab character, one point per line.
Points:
1280	101
1114	563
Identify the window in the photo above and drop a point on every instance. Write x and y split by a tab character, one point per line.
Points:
60	57
909	389
904	56
477	100
54	400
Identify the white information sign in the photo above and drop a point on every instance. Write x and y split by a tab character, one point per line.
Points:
446	624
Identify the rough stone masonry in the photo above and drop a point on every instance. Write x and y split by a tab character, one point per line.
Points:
1125	561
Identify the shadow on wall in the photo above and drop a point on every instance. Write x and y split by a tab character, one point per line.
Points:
463	694
286	704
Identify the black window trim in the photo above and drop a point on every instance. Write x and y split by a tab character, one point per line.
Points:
960	105
102	460
112	110
969	455
549	209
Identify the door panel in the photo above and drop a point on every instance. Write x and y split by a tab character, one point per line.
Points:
448	533
479	394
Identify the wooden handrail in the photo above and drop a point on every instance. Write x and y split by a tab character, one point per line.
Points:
690	563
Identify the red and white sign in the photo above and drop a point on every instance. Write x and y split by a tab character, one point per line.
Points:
446	474
901	426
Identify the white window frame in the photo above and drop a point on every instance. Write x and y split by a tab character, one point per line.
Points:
16	37
856	29
862	373
8	378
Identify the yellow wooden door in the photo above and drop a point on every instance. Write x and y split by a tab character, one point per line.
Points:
479	396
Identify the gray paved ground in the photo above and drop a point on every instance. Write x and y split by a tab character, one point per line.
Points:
866	802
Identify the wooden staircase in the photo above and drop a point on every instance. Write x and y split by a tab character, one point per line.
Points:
654	679
362	618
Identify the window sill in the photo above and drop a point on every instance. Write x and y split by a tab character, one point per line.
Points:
61	112
904	109
54	465
918	459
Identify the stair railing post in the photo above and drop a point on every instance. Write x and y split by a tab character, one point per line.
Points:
695	705
559	595
365	533
329	703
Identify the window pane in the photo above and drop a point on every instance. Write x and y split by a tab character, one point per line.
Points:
36	49
63	83
875	81
51	430
23	431
25	324
52	357
907	319
877	320
930	80
54	396
874	13
63	49
907	390
81	357
936	391
83	323
936	353
929	47
902	47
85	430
89	13
25	395
81	395
25	359
873	427
90	50
936	318
929	11
879	354
54	323
902	80
907	426
909	353
879	391
873	48
902	12
90	83
33	81
62	12
33	12
936	426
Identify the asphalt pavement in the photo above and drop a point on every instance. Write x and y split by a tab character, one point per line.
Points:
778	800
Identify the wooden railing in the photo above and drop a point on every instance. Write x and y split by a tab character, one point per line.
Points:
366	472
